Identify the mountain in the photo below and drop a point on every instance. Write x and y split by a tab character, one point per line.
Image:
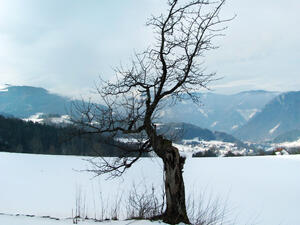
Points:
181	131
289	136
219	112
201	142
280	115
26	101
6	115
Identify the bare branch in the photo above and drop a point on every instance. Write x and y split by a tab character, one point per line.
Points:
169	70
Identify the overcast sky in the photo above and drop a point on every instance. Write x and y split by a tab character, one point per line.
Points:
64	45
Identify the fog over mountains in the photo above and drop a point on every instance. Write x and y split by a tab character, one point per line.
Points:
250	116
25	101
219	112
279	116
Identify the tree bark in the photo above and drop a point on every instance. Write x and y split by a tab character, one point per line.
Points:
174	187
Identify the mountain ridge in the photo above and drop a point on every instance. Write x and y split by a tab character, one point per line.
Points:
25	101
219	112
280	115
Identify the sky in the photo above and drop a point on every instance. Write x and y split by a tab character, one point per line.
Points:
65	45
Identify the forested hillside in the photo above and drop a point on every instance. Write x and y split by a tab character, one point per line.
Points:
27	137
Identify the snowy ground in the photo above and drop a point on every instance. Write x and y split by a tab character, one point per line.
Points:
257	190
25	220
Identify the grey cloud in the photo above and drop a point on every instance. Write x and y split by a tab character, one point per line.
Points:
66	45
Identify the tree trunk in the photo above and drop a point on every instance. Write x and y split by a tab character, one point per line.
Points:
174	187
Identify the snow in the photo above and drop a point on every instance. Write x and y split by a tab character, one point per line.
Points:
214	124
39	118
61	119
258	190
234	127
202	112
253	113
274	129
247	114
4	88
281	98
27	220
36	118
293	144
187	147
190	146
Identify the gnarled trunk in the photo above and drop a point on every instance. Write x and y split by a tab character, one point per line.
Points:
174	187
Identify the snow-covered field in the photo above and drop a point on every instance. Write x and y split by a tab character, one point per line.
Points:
24	220
257	190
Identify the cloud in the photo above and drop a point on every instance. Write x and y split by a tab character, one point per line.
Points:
65	45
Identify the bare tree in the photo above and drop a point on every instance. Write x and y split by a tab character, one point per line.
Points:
169	70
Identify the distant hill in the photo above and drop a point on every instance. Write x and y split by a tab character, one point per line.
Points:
180	131
280	115
6	115
219	112
25	101
288	136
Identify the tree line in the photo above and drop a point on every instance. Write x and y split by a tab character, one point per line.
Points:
21	136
